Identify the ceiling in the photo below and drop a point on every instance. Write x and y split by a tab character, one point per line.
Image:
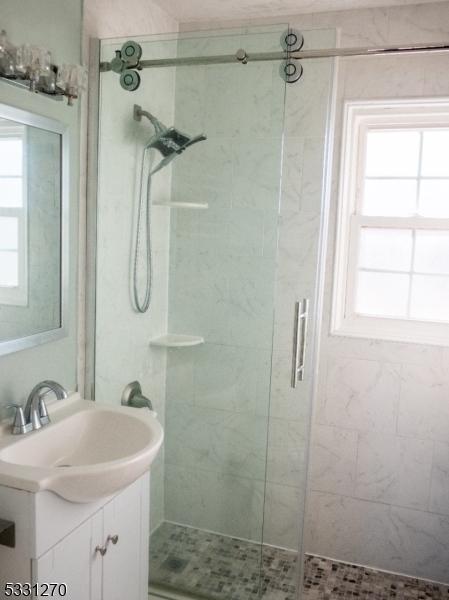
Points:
206	10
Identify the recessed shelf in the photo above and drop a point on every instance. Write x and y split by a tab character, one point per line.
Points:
188	205
173	340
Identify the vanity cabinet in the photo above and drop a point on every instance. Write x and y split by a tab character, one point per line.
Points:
60	542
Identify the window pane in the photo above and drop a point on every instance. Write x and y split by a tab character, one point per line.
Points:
434	198
386	249
9	269
10	157
435	160
9	233
430	298
11	192
382	294
392	153
389	197
432	252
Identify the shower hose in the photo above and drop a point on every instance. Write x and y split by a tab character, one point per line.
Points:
143	221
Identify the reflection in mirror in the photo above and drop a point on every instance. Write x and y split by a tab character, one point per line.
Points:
30	230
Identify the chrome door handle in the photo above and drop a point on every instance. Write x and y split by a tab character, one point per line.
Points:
299	341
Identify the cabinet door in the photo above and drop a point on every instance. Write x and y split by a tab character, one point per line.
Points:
74	562
125	574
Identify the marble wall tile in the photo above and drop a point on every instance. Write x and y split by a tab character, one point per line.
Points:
282	520
424	409
420	23
214	501
307	103
232	378
292	173
286	457
361	394
392	76
395	539
393	469
333	460
220	441
439	491
354	530
418	544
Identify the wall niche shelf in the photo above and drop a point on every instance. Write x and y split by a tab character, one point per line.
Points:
174	340
187	205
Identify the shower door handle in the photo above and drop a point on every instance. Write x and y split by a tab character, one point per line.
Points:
299	340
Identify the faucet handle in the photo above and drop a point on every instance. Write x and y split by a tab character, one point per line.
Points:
19	425
43	413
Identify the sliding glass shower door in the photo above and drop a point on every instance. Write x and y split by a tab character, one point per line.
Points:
203	352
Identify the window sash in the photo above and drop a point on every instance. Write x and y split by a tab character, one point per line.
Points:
360	118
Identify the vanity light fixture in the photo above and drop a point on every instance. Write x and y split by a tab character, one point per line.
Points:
31	67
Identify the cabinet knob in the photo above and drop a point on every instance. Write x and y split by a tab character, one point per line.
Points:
101	549
112	538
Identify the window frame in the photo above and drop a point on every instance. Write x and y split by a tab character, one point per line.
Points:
359	118
18	295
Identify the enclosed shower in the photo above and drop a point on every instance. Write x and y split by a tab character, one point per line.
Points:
227	246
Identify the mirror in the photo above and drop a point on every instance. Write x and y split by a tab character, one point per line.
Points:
33	229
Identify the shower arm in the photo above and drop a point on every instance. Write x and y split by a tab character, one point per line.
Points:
139	113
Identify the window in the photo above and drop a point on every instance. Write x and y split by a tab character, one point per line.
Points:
13	215
392	255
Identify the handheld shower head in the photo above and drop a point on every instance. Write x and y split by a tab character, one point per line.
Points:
168	140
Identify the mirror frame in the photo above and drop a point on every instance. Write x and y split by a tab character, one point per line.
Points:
34	120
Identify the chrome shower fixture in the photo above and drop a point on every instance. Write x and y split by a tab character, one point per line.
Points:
168	140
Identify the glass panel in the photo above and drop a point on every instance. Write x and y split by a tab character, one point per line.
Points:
432	252
218	483
9	233
434	198
435	161
11	193
430	298
382	294
389	197
392	153
385	249
10	156
9	269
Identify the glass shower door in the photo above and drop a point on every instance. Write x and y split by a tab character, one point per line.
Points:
227	489
221	288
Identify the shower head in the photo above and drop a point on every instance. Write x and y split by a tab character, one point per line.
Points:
168	140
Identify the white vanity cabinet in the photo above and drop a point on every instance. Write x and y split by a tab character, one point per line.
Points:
59	541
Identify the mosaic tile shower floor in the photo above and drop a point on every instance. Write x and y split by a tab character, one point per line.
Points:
214	567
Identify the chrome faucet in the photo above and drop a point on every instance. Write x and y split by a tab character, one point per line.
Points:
35	415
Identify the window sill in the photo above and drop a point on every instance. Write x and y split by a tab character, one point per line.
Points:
393	330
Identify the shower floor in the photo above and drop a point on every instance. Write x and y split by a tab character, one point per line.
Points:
190	563
217	567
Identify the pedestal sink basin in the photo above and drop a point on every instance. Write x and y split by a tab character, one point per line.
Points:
88	452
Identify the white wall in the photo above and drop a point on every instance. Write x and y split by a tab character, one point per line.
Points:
60	30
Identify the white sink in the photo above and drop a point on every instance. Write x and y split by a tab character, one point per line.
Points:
88	452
